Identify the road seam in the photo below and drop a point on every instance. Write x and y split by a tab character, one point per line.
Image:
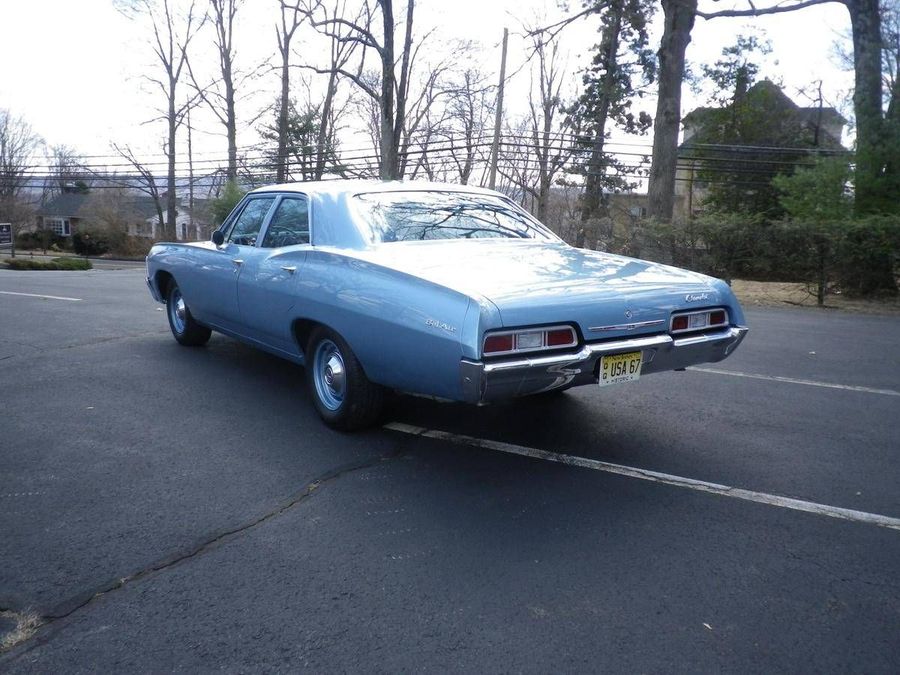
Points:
654	476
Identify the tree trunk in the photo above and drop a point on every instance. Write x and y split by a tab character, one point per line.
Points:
170	230
281	164
679	21
230	122
389	165
865	21
324	122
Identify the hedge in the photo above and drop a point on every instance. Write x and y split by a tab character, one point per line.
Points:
55	264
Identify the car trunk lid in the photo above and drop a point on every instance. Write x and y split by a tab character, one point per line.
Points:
537	283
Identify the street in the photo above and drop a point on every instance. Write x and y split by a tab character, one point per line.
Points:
172	509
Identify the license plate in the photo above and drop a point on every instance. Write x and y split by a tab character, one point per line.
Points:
618	368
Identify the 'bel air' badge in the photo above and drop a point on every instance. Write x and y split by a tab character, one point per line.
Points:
696	297
440	324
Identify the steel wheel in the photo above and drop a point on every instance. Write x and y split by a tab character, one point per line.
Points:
177	310
184	328
329	374
344	397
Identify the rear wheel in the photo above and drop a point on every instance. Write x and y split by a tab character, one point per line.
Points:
344	397
185	329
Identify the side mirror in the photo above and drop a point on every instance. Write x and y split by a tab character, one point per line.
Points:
218	238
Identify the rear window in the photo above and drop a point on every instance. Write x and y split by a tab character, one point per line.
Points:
422	216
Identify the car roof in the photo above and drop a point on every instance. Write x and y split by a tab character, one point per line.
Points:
354	186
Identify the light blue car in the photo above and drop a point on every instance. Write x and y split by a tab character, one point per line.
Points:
447	291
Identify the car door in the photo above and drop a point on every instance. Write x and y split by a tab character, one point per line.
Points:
269	276
216	295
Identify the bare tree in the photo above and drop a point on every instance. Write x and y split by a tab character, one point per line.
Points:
18	149
516	167
19	145
423	120
113	209
290	22
341	51
170	35
547	132
219	94
468	113
392	90
144	182
66	172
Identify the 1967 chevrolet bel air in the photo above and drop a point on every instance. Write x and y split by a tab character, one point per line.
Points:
449	291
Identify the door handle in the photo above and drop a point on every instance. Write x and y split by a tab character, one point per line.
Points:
290	268
238	261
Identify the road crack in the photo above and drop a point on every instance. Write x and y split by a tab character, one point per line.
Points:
81	601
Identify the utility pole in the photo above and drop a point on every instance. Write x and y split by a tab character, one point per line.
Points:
495	148
190	176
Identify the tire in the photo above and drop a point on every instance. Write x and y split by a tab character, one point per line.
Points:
344	397
185	329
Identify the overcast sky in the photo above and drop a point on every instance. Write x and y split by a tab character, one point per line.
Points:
73	69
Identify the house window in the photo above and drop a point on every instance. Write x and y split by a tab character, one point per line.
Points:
638	211
59	226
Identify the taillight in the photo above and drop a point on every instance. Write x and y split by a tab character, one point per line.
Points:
694	321
498	343
530	340
717	318
560	337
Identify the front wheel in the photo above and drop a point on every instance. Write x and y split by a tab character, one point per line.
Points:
344	397
185	329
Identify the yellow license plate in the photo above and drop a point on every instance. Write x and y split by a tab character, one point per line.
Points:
618	368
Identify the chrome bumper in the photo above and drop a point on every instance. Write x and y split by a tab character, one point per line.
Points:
493	381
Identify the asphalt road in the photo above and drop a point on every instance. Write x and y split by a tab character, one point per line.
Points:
173	509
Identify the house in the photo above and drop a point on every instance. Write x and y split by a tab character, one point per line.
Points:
68	212
744	144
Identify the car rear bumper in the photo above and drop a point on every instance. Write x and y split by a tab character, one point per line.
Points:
497	380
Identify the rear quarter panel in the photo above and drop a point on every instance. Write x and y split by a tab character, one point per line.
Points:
405	331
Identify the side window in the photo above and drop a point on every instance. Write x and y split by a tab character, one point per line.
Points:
246	227
289	224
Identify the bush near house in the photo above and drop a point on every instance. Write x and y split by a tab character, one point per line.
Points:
99	241
55	264
44	240
91	242
857	257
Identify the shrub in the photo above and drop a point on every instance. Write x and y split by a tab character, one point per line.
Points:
55	264
129	246
91	242
45	240
869	256
860	257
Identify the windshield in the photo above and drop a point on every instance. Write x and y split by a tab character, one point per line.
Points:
422	216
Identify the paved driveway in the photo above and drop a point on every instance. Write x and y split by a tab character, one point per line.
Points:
164	508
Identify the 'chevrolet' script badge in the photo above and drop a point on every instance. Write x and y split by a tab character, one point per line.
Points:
696	297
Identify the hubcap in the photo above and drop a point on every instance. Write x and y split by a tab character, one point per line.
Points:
177	310
328	374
